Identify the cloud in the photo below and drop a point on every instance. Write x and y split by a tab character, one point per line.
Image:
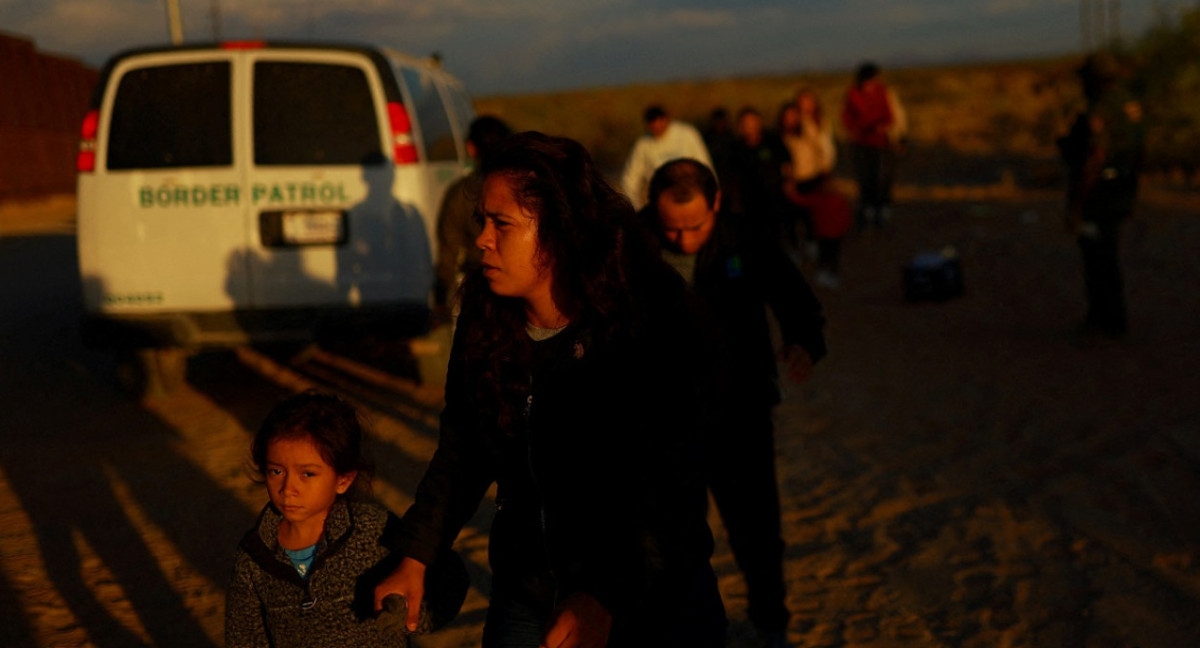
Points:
276	12
536	45
638	24
94	28
914	14
699	18
1001	7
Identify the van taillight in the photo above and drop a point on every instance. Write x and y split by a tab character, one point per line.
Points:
85	161
403	148
243	45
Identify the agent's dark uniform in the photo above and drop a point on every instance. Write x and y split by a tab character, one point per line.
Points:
1104	153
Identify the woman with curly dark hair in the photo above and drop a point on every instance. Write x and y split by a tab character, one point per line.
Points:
573	384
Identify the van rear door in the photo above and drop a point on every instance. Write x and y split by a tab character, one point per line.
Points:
325	228
161	214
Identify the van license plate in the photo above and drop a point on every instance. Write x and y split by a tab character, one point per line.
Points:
312	227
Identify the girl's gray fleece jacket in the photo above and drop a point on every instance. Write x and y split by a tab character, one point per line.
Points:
269	604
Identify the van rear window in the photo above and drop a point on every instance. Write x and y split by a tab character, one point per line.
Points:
312	114
172	116
431	115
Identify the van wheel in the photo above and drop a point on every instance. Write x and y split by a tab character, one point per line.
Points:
146	373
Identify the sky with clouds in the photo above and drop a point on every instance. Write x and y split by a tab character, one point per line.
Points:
517	46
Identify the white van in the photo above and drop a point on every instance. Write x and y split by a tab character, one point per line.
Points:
254	191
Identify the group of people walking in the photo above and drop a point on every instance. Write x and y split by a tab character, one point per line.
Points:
612	363
781	177
597	390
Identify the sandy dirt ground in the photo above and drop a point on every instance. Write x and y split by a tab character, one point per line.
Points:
965	473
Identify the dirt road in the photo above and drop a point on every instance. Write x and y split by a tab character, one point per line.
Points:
966	473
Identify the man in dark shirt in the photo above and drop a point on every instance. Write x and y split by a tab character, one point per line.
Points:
753	189
737	272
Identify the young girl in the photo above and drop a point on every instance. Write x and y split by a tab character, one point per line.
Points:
303	575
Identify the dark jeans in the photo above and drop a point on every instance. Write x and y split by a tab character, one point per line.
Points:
1102	277
804	215
742	479
694	617
828	252
874	170
512	623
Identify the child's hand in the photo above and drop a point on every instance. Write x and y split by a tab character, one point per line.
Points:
408	582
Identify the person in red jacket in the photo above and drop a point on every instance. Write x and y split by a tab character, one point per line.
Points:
867	116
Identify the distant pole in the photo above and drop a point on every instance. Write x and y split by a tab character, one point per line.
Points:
1085	24
1099	23
1114	22
174	22
214	14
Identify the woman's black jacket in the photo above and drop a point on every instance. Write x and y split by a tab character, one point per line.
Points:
598	478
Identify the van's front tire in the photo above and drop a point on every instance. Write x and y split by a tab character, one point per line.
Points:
147	373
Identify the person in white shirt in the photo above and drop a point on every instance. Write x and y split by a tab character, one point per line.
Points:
809	138
665	139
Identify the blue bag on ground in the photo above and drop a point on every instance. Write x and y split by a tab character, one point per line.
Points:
933	276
